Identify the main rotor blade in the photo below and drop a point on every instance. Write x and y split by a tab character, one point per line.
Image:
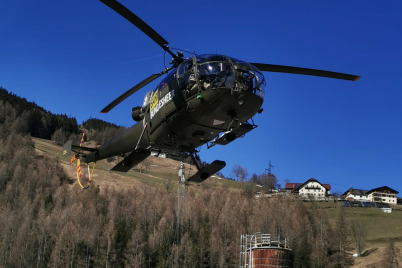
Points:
130	92
305	71
140	24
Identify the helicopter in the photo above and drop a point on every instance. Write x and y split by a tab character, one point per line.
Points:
203	99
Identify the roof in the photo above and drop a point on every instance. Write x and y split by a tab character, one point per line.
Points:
297	185
382	189
327	186
367	192
355	192
292	185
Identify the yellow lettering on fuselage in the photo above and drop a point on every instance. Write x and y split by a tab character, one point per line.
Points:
154	100
156	105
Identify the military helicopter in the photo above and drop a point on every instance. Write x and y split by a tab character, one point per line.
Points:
204	99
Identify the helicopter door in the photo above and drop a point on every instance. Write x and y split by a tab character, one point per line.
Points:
186	80
166	102
169	100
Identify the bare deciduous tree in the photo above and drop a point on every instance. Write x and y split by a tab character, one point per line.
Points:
239	173
268	181
358	231
340	258
45	222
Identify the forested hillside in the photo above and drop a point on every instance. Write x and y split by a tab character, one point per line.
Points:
34	119
47	222
101	131
39	123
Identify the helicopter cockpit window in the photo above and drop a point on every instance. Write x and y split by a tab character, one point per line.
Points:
185	67
259	87
215	71
184	73
248	78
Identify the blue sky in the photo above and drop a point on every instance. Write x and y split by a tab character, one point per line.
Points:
74	57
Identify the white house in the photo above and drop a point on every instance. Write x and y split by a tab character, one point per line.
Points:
356	195
314	188
311	188
382	194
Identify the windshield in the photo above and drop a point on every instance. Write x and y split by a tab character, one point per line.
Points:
221	71
249	78
215	71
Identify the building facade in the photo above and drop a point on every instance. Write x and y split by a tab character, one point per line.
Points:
310	189
356	195
382	194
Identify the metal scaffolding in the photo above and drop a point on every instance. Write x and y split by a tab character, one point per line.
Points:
248	243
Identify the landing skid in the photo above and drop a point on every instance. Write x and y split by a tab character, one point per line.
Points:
208	170
229	136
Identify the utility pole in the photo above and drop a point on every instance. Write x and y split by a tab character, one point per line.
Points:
269	168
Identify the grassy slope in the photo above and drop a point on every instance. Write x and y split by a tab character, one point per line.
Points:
380	228
159	170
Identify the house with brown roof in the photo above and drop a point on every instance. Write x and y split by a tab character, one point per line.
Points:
292	186
312	188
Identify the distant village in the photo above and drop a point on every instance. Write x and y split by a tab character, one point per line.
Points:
312	189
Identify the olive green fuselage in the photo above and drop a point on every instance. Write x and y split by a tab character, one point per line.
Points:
197	101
